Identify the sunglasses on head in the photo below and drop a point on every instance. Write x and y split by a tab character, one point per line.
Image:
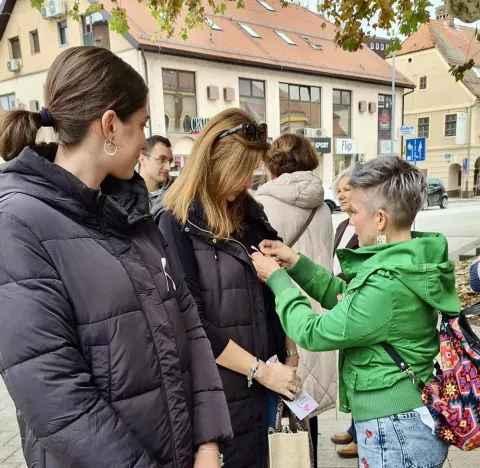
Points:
252	132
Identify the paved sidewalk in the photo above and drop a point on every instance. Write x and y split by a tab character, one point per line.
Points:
330	422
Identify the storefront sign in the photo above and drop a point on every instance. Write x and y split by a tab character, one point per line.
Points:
197	124
407	130
345	146
322	145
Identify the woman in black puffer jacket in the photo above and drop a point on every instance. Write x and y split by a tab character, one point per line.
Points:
101	346
215	225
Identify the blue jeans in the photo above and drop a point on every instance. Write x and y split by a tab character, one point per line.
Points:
401	440
353	433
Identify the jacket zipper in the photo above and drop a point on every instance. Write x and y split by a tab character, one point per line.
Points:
100	214
221	238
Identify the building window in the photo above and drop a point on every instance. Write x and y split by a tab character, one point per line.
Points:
95	31
382	46
15	48
266	5
342	113
451	125
372	45
34	42
423	82
311	43
63	32
299	107
424	127
377	46
212	25
285	38
250	31
7	102
179	99
252	98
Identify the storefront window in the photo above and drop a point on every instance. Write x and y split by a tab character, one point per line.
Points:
179	99
299	108
384	121
252	98
7	102
342	113
342	162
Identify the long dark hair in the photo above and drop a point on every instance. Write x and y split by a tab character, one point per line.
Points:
82	84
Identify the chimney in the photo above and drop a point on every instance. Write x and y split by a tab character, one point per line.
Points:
442	14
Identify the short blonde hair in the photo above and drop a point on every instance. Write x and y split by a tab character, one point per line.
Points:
213	170
345	173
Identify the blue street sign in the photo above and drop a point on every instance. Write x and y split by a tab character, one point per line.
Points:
448	156
465	164
416	149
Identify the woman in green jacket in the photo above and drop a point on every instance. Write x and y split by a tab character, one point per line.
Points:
399	281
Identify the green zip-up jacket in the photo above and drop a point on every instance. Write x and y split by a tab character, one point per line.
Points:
395	293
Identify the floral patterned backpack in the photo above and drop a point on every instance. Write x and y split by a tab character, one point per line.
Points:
453	396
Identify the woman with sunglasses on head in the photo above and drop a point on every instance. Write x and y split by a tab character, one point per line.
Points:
214	225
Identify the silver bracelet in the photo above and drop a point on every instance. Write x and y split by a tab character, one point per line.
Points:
220	455
253	372
291	353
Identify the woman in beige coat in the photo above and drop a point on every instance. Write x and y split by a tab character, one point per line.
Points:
293	203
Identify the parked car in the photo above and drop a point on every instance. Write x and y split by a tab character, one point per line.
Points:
437	195
330	198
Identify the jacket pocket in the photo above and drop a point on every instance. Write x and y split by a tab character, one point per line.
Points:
357	368
100	365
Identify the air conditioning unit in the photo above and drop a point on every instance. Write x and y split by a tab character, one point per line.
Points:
13	65
314	132
54	9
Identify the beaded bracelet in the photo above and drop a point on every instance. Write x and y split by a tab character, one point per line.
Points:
253	372
220	455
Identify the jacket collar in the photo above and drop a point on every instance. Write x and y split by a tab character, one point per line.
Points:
255	218
118	204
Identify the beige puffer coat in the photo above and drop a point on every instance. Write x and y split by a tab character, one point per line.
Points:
288	202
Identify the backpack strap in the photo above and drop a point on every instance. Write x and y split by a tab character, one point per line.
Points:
304	228
402	365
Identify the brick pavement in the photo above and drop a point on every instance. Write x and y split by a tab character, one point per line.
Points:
329	423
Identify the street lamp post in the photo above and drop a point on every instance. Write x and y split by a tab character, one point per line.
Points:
392	127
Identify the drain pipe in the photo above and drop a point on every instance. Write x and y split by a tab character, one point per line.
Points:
470	111
403	118
145	68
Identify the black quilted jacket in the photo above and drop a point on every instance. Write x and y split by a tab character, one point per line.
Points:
233	305
101	346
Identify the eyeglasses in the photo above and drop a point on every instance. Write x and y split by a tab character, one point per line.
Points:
252	132
160	159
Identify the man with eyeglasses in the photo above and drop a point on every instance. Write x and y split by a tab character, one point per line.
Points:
154	166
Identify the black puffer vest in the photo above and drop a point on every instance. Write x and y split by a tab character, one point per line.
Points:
236	302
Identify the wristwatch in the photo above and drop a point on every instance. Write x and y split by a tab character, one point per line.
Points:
289	353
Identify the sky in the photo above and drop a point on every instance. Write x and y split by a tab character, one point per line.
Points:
312	5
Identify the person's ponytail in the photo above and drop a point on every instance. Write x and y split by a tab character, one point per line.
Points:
19	129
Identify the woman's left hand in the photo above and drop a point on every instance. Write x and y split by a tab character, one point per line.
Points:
207	459
265	266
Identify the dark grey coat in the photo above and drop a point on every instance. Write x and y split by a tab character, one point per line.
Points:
101	346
